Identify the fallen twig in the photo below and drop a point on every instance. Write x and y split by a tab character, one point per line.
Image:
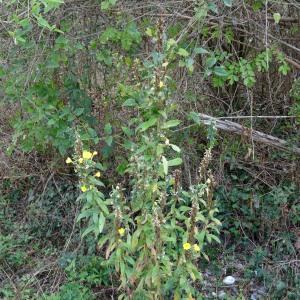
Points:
256	135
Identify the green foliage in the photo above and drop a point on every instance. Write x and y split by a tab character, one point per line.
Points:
11	252
295	94
51	213
86	77
48	122
127	38
224	70
244	208
156	229
107	4
228	2
71	291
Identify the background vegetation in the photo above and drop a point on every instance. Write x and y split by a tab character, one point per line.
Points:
149	149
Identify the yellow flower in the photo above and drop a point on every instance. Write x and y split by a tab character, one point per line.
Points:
87	154
84	189
80	160
69	160
196	248
161	84
165	64
98	174
121	231
95	153
186	246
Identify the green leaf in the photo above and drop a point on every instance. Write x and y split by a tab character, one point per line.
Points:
85	214
130	102
101	222
144	126
175	148
52	4
78	111
183	52
175	162
55	1
108	140
108	129
102	241
89	230
127	131
171	123
135	239
104	56
165	165
160	149
228	2
2	72
211	61
284	69
194	117
107	4
201	12
170	43
200	236
200	50
277	17
220	71
149	32
103	206
214	237
213	7
189	63
44	23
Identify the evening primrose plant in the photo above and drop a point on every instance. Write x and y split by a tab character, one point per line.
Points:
152	231
95	206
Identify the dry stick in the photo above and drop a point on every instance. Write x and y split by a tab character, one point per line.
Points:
257	117
256	135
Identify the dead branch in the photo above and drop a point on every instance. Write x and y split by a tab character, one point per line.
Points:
245	131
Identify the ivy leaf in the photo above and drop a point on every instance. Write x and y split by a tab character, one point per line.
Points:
227	3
